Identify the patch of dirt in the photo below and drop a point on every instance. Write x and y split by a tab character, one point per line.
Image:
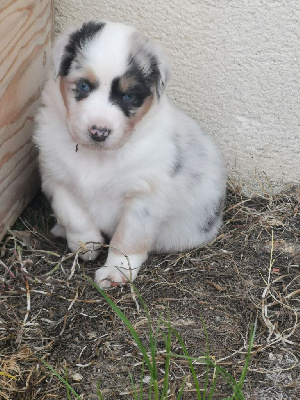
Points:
50	312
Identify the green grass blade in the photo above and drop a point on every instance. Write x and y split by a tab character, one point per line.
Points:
153	339
99	394
126	321
208	356
66	378
237	393
66	383
150	389
180	393
153	347
237	387
153	356
133	387
213	388
204	360
252	336
142	381
232	383
225	375
150	361
167	340
192	369
151	364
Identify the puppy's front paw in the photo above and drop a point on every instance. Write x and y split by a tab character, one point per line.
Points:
58	230
118	271
112	276
89	251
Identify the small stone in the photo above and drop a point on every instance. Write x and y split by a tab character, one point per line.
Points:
147	379
77	377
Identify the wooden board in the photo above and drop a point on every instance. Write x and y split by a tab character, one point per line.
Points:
26	29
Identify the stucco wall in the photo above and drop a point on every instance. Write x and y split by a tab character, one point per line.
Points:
235	68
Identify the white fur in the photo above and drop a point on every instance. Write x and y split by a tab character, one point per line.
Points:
151	189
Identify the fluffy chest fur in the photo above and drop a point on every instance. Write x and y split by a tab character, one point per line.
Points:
103	181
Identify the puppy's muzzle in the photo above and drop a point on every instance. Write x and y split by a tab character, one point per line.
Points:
99	133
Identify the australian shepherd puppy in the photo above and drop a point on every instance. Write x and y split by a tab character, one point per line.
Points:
117	159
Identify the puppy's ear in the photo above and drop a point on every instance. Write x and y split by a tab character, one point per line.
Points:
59	50
70	44
151	59
163	68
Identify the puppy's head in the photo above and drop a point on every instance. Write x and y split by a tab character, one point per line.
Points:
110	76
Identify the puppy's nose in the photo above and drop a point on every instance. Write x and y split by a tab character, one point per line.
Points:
99	133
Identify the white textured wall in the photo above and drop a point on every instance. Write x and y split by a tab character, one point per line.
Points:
235	68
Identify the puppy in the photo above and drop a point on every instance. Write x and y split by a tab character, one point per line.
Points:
117	159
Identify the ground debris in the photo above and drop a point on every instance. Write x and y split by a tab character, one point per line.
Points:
50	313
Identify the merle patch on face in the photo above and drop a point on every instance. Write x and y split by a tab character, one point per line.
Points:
130	91
77	41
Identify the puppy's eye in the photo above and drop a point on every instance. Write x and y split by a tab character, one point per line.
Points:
129	97
83	86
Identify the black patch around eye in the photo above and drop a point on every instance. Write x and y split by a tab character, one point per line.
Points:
139	93
141	89
79	91
77	41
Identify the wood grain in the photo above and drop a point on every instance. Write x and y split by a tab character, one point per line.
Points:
26	29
